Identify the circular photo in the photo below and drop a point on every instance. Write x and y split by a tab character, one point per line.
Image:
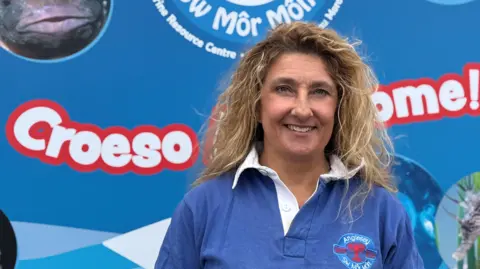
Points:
420	195
49	30
458	224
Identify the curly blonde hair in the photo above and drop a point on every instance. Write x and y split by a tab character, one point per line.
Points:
358	134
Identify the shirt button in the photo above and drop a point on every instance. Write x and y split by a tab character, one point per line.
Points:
286	207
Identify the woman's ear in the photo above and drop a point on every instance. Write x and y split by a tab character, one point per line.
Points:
258	115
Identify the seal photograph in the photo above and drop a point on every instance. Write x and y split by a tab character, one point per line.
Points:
51	29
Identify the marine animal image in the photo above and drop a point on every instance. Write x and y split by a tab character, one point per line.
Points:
421	195
469	200
50	29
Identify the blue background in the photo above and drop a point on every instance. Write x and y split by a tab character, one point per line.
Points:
142	72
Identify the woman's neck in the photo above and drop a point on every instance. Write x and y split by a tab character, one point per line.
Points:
300	176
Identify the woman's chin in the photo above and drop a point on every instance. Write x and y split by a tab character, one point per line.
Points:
301	153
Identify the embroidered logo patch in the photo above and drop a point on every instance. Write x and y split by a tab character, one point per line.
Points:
355	251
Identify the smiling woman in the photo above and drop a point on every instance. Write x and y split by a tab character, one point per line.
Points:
299	169
48	29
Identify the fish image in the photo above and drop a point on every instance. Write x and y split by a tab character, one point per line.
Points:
469	200
50	29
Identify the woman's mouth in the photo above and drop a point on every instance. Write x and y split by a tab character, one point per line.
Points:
300	129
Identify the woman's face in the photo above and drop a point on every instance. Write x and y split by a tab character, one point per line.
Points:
298	104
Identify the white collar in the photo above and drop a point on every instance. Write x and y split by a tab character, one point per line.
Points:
338	169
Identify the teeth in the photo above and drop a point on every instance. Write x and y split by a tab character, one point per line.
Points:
299	129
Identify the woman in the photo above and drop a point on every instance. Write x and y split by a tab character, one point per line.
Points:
299	176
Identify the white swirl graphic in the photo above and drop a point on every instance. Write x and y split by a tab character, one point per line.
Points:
250	3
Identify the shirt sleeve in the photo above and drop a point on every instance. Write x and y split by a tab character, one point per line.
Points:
178	250
404	253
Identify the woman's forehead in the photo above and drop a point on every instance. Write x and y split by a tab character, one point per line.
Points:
299	69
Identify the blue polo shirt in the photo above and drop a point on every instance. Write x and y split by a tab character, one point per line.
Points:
235	221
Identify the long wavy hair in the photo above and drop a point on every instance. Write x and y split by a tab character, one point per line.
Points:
358	134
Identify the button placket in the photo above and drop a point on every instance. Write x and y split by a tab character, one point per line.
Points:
286	207
287	202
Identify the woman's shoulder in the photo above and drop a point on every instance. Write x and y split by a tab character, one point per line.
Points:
398	235
378	199
376	192
389	206
381	194
212	192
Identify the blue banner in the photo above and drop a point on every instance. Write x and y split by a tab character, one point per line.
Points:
102	104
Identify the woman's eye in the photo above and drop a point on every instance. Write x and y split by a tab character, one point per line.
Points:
320	92
283	89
